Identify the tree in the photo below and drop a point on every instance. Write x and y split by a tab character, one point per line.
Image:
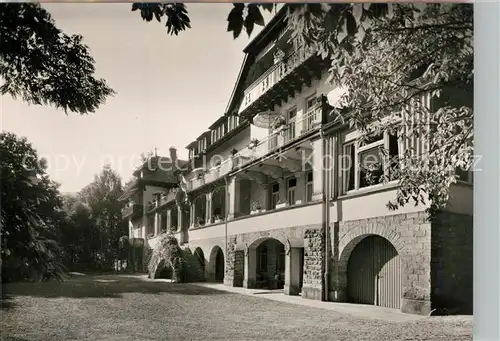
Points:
43	66
101	196
388	58
30	213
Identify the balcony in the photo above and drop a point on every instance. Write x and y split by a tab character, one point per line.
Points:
296	68
288	133
132	211
211	175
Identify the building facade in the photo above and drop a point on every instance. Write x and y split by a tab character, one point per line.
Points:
277	207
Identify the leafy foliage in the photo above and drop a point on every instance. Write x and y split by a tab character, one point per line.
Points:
30	214
167	253
241	17
44	66
407	69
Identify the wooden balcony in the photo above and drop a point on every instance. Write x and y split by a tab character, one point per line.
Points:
285	78
211	175
133	211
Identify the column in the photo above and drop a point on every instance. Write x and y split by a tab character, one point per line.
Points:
292	271
318	167
250	268
234	198
191	214
169	221
208	211
157	223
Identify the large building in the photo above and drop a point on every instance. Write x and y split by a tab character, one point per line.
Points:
265	211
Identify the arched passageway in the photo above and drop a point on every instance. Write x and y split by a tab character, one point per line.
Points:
201	258
267	264
217	265
374	273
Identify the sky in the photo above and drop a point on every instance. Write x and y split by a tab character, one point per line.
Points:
169	90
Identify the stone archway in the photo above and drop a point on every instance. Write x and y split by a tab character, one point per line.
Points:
265	264
217	264
200	256
373	271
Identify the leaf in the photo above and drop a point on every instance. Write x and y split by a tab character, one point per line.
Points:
249	24
255	14
235	20
268	6
135	6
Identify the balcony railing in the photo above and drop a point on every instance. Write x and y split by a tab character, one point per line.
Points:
132	211
286	134
275	74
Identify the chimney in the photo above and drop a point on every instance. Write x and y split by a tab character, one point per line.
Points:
173	155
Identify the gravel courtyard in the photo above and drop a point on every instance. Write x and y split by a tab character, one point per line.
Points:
128	308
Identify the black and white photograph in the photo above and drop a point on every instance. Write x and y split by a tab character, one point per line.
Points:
237	171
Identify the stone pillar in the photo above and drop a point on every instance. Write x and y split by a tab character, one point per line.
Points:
130	228
250	268
292	270
313	264
169	220
208	204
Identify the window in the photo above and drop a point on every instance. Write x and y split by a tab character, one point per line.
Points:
348	166
292	183
371	166
163	225
366	165
310	102
263	259
309	186
275	195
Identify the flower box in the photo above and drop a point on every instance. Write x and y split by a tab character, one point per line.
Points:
282	205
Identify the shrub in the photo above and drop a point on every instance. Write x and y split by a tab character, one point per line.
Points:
167	254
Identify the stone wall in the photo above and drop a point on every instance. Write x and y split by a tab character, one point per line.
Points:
410	234
229	276
452	263
313	264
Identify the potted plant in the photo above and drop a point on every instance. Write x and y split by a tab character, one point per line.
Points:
234	151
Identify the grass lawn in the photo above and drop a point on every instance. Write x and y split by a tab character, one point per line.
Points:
110	307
